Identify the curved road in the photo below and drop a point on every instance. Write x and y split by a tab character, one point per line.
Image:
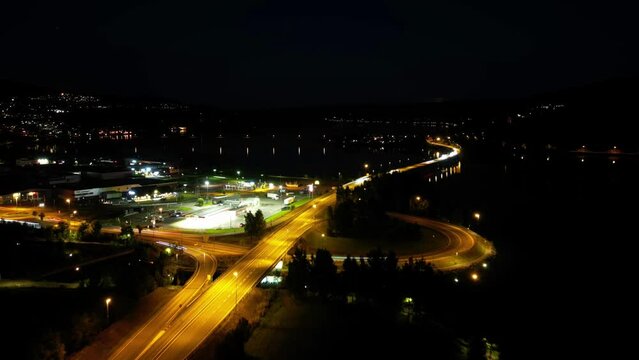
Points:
178	331
180	303
463	248
199	320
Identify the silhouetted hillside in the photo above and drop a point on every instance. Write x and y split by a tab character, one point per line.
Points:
16	88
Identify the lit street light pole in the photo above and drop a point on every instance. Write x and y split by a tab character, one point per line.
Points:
107	302
206	183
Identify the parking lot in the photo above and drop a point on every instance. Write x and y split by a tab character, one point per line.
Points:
227	213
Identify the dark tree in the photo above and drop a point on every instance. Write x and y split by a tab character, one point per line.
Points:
83	230
232	347
260	223
41	215
96	228
126	234
60	231
323	272
343	217
139	227
477	348
254	225
350	275
298	272
50	347
331	220
249	223
84	328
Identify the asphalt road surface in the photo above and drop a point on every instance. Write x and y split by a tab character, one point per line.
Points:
185	333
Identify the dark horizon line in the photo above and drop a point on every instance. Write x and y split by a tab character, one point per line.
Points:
24	88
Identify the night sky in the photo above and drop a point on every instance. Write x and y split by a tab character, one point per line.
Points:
293	53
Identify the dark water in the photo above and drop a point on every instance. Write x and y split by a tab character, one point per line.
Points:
315	154
562	283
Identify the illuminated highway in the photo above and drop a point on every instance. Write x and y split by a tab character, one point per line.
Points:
455	152
198	321
197	310
180	303
463	247
197	241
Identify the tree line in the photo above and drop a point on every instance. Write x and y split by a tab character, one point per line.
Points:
376	276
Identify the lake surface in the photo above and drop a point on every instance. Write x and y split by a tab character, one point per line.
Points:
564	228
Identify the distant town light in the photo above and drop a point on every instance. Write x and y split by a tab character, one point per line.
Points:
43	161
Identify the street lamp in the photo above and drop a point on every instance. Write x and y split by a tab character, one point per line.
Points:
16	196
68	203
476	216
206	183
107	302
235	274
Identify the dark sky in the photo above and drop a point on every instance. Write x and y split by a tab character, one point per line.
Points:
292	53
